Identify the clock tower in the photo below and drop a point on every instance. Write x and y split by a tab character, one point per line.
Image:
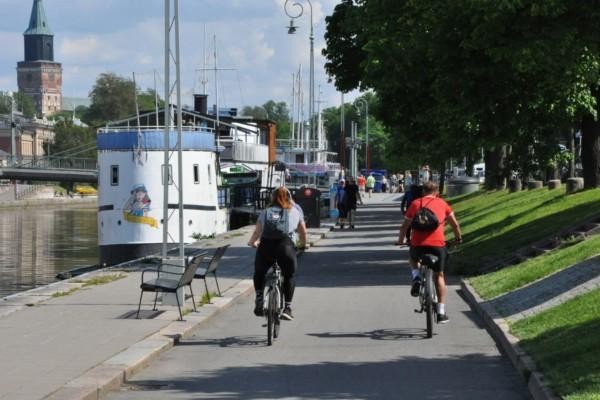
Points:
38	76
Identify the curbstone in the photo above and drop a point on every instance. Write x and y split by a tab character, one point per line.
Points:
538	389
500	331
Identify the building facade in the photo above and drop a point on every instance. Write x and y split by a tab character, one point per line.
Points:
39	76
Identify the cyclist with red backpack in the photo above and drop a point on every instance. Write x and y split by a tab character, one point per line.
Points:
272	236
426	217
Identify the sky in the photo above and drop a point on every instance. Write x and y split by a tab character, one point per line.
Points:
126	36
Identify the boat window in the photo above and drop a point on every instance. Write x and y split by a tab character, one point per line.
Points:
209	176
114	175
196	174
169	174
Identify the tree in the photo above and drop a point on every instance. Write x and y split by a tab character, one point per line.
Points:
456	76
274	111
74	141
113	98
23	104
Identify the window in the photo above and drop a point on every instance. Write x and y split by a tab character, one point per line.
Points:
209	177
169	174
196	174
114	175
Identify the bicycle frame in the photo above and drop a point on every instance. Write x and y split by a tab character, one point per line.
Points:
273	303
427	295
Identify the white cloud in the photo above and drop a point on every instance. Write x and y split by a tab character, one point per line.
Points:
121	36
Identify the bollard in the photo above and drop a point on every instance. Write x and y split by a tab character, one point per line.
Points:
574	185
534	185
554	184
514	185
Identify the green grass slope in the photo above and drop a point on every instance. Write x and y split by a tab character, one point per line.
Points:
565	345
510	278
497	223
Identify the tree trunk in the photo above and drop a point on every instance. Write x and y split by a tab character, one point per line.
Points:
469	164
590	151
442	176
495	173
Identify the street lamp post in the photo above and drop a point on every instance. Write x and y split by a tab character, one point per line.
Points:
365	103
291	30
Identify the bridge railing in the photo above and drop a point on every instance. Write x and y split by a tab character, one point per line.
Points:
50	163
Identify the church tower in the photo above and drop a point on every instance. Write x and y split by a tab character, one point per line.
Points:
38	76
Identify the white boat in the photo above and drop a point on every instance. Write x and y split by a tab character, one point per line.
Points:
130	195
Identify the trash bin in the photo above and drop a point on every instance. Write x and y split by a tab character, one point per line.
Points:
462	185
309	199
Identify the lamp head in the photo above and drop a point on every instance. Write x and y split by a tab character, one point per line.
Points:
291	28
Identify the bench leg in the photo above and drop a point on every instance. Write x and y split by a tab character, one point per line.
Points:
179	307
155	298
217	282
193	300
207	291
139	305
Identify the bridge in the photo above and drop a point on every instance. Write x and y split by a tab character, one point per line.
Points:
49	169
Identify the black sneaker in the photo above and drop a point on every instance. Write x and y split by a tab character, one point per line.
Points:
416	286
442	319
258	307
287	314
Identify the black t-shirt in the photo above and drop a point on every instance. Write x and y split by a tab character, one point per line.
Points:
351	193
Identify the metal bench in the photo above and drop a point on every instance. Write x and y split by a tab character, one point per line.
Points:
171	282
211	268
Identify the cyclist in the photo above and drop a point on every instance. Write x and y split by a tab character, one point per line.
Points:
272	236
430	242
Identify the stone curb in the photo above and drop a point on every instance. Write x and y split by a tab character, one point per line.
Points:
112	373
499	330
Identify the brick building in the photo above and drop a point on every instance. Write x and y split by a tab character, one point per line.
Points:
38	76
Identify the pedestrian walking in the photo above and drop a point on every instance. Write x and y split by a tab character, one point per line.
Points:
340	201
361	181
352	198
370	184
384	184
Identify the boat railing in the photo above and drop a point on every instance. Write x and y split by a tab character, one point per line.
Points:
186	128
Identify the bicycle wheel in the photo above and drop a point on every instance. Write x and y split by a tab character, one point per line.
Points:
277	315
271	311
429	290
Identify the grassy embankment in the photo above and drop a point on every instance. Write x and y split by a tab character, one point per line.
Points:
496	224
563	340
565	344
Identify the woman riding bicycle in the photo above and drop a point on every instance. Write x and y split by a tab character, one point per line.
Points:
273	235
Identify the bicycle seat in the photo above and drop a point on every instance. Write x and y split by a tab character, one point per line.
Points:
429	259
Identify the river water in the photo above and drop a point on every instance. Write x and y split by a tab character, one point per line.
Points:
37	243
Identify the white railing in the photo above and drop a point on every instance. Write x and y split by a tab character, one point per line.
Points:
249	152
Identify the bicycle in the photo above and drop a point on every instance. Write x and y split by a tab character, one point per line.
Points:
427	292
273	303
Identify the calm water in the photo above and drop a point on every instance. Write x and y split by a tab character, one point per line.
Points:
38	243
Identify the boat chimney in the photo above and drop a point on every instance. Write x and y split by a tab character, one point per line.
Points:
201	103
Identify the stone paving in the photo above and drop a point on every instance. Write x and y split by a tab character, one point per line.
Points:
72	343
549	291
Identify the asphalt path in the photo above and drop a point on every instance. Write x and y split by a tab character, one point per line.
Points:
355	336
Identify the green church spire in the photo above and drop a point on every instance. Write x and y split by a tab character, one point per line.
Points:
38	25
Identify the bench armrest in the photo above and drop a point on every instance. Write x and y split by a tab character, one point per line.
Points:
150	270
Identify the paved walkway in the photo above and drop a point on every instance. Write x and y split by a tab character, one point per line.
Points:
355	336
47	341
549	292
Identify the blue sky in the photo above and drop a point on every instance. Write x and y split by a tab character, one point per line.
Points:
125	36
